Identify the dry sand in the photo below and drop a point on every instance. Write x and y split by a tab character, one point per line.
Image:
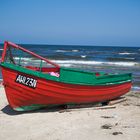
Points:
120	123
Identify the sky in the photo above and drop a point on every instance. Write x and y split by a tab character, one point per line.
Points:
71	22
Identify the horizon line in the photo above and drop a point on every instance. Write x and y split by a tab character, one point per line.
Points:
72	45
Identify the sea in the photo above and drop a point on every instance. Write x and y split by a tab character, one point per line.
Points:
108	59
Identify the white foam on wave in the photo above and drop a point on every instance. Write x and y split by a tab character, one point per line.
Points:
75	50
123	63
1	49
83	56
72	62
64	62
62	51
76	62
136	88
126	53
23	58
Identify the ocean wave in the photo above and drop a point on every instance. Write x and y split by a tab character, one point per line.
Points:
126	53
95	63
63	51
83	56
130	58
1	49
121	59
75	50
82	62
136	88
123	63
23	58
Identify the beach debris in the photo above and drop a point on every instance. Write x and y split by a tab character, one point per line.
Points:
128	126
107	126
117	133
107	117
116	124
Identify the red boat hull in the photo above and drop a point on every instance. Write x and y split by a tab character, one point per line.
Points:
49	92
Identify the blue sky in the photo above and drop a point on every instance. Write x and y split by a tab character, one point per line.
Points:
79	22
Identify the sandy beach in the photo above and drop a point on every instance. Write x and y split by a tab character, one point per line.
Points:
120	122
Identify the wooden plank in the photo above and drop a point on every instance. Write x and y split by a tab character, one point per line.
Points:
116	101
84	109
104	107
93	106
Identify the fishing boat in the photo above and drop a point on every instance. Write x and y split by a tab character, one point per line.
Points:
32	82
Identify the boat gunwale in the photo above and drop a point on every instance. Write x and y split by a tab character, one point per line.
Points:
58	79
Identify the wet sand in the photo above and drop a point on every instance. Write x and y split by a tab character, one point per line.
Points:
121	122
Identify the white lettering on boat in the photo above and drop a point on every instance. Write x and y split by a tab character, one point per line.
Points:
27	81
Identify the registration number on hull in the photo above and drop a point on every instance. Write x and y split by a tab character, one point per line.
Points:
27	81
